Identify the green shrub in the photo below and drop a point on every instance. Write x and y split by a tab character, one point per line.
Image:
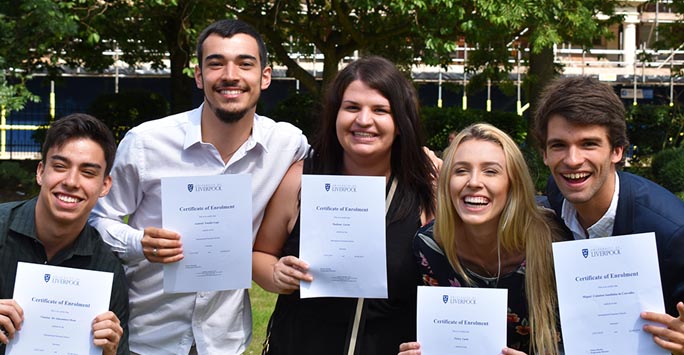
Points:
540	173
661	159
438	122
300	109
673	174
668	169
17	180
652	128
127	109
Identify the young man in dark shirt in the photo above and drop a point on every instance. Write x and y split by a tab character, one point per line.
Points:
52	228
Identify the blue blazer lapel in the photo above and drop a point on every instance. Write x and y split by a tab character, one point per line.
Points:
624	216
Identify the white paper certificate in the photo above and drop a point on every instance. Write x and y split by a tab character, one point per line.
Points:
461	320
59	307
343	236
213	215
603	286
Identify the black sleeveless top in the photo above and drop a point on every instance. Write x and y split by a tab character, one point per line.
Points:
318	326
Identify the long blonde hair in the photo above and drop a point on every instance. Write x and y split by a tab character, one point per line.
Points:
523	226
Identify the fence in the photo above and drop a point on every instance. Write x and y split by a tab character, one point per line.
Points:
20	132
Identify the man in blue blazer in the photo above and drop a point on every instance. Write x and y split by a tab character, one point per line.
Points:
580	124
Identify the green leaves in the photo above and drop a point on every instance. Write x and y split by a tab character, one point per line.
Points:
13	97
93	38
77	32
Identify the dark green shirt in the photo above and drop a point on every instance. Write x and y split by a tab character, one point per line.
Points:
19	242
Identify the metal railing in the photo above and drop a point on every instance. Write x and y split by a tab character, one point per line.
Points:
20	136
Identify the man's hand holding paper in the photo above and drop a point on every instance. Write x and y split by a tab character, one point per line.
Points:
11	317
669	333
603	286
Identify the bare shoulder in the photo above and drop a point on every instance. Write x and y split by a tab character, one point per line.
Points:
286	196
293	176
281	212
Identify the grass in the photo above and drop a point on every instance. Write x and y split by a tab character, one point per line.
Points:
262	306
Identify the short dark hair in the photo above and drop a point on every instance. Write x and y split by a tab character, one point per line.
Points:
80	125
581	101
409	163
229	28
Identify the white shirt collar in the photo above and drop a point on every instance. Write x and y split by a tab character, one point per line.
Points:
602	228
193	132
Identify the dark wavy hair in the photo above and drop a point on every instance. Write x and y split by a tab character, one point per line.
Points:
581	101
80	125
410	165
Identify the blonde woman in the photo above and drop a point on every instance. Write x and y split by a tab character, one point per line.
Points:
489	232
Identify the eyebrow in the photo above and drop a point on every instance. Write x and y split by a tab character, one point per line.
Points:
84	165
350	101
221	56
585	139
552	141
486	163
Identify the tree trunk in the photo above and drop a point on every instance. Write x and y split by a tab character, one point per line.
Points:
182	86
330	68
541	72
180	51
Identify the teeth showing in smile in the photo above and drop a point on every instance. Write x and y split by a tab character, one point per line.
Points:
476	200
67	199
230	92
363	134
576	176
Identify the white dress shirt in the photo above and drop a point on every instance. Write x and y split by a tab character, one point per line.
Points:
602	228
161	323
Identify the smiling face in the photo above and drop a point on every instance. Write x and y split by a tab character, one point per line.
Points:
231	76
71	180
479	182
582	162
365	126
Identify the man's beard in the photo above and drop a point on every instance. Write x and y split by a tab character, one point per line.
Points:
229	116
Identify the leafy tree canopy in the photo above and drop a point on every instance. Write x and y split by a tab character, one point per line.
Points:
408	31
41	35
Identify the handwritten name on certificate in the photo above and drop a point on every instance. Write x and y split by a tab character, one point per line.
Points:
213	215
461	320
59	305
343	236
603	286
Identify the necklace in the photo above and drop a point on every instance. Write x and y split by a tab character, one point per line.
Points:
491	280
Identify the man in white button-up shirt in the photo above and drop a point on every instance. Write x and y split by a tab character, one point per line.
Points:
223	136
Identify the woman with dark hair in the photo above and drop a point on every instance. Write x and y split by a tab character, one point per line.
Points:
370	127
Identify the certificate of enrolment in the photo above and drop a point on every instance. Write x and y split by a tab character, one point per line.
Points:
59	306
342	236
461	320
213	215
603	286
